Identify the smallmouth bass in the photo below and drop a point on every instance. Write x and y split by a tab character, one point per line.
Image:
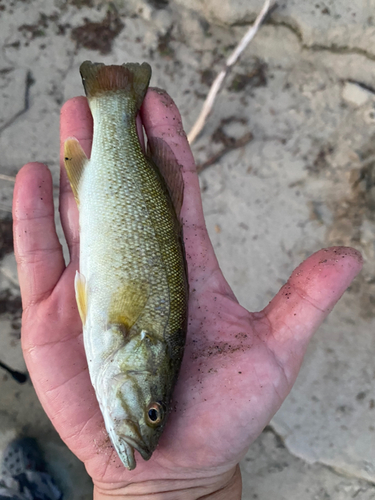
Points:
131	288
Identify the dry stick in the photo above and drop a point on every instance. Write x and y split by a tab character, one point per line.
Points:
7	178
9	276
26	105
208	103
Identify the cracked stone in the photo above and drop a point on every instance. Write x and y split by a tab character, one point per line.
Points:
257	201
270	470
338	26
12	94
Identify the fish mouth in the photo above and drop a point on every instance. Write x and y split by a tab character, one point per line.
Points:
126	453
140	447
134	441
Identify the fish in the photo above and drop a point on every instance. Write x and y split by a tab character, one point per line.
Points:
131	287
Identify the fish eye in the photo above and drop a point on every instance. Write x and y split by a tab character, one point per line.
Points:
154	414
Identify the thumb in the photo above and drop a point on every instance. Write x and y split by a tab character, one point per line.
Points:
305	301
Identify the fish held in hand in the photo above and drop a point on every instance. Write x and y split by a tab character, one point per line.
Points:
131	288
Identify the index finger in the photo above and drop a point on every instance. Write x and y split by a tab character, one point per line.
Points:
75	121
162	119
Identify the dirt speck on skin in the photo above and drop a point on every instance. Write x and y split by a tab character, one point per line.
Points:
222	348
241	335
98	36
162	92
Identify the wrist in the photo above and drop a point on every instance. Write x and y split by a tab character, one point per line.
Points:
227	486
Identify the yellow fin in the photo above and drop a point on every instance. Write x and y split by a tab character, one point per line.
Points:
128	303
75	161
81	295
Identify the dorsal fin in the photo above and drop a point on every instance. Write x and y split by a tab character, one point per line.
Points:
164	158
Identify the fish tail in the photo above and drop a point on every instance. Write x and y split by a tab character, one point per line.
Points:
131	79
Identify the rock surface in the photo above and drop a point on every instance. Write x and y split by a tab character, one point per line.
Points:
306	180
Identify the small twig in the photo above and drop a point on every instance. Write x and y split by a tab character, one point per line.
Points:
7	178
9	276
26	102
239	143
208	103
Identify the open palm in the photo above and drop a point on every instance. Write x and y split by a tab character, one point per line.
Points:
238	366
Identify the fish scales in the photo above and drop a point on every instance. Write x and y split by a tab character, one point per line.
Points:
139	238
132	286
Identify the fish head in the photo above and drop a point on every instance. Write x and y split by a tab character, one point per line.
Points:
137	399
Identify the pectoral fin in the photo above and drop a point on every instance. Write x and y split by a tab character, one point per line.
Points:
75	161
81	295
128	303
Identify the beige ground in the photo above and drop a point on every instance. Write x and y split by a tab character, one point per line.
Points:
305	89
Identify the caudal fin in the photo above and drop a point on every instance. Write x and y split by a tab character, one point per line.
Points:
131	78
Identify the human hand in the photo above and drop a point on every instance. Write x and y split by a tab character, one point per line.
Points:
238	366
